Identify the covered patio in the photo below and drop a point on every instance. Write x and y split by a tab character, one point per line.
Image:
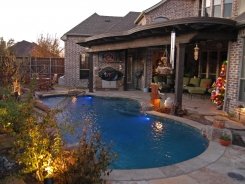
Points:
143	41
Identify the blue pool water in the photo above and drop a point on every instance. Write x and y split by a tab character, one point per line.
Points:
141	141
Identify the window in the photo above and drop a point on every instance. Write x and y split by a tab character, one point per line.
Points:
242	79
84	66
213	59
227	8
208	8
160	19
217	8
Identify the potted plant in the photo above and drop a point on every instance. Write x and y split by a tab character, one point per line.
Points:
225	139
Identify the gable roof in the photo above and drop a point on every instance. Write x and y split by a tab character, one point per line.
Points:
30	49
241	20
154	6
97	24
148	10
23	48
126	23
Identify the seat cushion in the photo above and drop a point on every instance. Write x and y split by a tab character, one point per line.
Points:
186	81
194	82
205	83
197	90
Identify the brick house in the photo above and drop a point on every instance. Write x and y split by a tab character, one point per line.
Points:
136	42
93	25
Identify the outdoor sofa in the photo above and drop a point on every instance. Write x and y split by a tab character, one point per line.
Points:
196	85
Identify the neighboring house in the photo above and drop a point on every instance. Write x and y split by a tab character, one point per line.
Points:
30	49
33	59
24	49
137	41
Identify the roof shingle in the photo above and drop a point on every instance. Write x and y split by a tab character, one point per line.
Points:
97	24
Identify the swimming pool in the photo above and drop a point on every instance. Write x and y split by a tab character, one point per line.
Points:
141	141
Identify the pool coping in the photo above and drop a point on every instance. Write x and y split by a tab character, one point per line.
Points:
213	152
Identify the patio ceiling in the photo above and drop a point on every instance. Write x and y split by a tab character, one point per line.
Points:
187	30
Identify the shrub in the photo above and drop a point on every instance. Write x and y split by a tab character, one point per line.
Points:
38	147
89	162
13	113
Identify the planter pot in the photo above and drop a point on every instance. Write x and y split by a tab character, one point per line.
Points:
146	90
224	142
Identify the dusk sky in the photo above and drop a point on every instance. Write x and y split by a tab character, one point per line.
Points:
28	19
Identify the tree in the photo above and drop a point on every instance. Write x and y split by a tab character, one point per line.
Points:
5	47
8	65
48	47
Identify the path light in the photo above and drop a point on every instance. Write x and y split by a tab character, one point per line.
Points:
196	52
73	99
50	171
48	181
241	110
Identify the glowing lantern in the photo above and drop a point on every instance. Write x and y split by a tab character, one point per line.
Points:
196	52
156	103
154	91
168	103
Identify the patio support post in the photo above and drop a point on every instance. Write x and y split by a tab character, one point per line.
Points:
179	73
125	79
91	73
203	8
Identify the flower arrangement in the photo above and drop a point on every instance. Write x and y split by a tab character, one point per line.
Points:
225	137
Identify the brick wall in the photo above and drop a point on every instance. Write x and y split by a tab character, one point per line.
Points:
97	83
174	9
72	65
235	7
234	65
